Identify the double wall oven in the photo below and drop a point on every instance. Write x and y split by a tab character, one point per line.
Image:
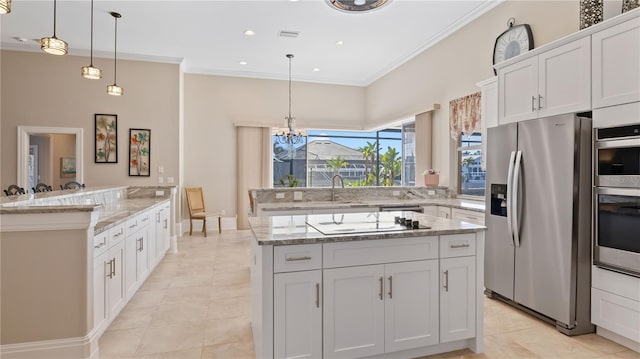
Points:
617	199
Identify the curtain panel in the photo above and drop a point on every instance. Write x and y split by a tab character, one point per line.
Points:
464	115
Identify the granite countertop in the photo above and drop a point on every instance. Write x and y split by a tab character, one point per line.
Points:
116	213
449	202
293	229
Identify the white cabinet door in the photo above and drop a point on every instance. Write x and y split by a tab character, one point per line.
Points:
564	79
131	243
467	216
616	65
353	313
443	212
166	235
411	306
142	260
518	91
116	283
297	313
457	298
101	269
153	238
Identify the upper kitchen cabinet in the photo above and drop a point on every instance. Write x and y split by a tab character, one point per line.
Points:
616	64
554	82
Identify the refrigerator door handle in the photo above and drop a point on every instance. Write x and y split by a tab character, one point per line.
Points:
514	201
509	195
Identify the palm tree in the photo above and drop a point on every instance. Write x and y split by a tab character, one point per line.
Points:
336	164
391	165
466	163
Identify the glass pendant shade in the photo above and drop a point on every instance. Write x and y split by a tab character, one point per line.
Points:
5	6
115	90
53	45
91	73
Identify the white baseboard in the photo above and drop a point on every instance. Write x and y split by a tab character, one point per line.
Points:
228	223
614	337
80	347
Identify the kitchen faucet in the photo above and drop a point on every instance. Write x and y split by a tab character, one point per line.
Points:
333	186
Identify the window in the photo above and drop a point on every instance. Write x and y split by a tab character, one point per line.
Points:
409	154
361	158
471	177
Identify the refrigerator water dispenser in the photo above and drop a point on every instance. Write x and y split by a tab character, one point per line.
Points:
499	200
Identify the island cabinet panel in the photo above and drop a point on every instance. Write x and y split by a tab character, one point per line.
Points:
379	251
101	270
297	310
297	257
115	287
457	298
353	311
411	305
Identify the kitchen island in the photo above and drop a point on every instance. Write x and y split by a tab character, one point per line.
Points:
345	285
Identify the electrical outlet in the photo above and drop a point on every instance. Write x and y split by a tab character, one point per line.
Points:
161	180
431	192
223	212
118	195
297	196
279	195
396	193
159	193
170	180
160	169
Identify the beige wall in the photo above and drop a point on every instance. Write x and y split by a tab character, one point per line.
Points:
64	146
213	104
451	69
44	90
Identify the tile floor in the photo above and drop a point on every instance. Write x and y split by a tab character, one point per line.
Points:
196	305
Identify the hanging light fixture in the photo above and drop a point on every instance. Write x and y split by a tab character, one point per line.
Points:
357	5
289	135
114	89
5	6
53	45
91	72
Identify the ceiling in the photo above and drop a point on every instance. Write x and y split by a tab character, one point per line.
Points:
208	36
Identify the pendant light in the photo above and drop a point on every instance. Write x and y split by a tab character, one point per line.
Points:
90	72
53	45
5	6
114	89
289	136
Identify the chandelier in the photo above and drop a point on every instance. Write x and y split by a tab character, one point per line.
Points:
356	5
289	135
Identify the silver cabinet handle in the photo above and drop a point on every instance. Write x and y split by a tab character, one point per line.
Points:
533	106
101	244
446	280
110	272
145	219
292	259
317	295
141	245
113	267
390	287
133	226
381	288
158	217
466	245
539	102
165	224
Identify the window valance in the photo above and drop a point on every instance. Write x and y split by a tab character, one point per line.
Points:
464	115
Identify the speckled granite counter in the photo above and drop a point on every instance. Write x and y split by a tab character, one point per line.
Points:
449	202
286	230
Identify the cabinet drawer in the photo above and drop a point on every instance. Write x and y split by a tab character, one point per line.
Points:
116	235
356	253
100	242
144	218
615	313
131	225
467	216
458	245
297	257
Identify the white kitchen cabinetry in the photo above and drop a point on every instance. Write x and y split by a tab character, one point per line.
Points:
100	306
457	299
115	279
297	313
136	257
353	311
467	216
616	65
554	82
443	212
108	281
163	234
488	111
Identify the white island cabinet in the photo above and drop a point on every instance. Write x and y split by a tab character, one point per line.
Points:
405	293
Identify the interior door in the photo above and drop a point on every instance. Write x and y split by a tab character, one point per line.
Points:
499	249
545	262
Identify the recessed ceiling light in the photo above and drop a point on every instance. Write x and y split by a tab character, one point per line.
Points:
339	43
249	32
315	69
242	63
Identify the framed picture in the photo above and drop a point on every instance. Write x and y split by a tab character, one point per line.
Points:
139	152
106	146
67	167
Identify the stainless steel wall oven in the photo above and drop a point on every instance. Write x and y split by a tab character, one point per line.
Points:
617	199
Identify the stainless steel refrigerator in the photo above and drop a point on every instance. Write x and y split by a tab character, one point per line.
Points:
538	219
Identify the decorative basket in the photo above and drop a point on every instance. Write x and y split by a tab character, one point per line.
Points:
431	180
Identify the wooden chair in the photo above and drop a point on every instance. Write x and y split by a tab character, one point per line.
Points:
42	187
72	185
197	211
14	190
